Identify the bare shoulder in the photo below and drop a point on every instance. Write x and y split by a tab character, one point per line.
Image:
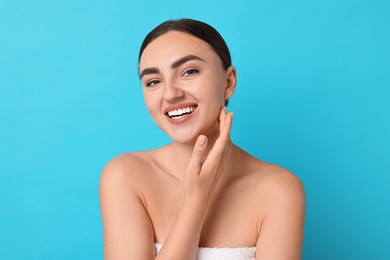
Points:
280	191
127	170
281	203
123	161
274	185
123	208
265	177
279	181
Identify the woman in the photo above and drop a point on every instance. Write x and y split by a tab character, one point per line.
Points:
201	196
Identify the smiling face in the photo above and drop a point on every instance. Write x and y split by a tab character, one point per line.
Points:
184	85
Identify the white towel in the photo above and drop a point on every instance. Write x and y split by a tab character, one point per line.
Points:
209	253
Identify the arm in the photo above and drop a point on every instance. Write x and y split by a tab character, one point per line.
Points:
199	183
281	231
128	232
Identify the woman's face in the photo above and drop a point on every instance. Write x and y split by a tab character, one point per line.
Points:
184	85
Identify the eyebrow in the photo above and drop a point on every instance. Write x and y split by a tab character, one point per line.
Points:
185	59
174	65
148	71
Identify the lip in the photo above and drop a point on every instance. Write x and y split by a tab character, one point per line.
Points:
185	117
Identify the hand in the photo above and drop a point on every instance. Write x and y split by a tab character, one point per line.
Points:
204	170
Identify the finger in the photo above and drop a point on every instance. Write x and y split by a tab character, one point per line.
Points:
221	117
221	145
225	128
221	122
198	155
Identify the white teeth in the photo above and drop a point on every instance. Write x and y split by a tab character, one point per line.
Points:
180	111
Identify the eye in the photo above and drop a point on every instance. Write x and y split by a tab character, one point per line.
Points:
152	83
190	72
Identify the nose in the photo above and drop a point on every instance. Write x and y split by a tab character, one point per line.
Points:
172	92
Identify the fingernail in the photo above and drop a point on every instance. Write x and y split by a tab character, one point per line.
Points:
202	140
224	108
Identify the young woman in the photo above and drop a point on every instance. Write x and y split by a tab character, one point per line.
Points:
201	196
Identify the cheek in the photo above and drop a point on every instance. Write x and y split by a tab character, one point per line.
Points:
219	85
150	103
216	92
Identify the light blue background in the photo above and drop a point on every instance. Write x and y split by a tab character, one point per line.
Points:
313	96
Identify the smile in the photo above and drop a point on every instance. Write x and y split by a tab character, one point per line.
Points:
178	113
181	113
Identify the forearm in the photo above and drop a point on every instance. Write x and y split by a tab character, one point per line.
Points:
199	182
183	239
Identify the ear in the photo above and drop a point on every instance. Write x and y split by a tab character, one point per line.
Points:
231	81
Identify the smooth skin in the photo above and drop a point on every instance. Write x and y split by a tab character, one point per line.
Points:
201	189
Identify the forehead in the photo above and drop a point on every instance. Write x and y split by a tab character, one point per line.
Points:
173	45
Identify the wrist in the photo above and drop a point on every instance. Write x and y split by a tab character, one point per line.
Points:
199	205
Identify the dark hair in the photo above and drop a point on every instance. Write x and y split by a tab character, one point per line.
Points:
196	28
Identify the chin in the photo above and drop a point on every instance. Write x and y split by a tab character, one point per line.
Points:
188	133
189	139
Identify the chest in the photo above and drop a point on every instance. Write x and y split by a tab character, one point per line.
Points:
232	219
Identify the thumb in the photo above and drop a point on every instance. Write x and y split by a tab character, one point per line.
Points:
198	155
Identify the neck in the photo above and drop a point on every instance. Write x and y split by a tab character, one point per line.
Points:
180	152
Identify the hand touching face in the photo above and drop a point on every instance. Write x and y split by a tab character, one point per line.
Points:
204	170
